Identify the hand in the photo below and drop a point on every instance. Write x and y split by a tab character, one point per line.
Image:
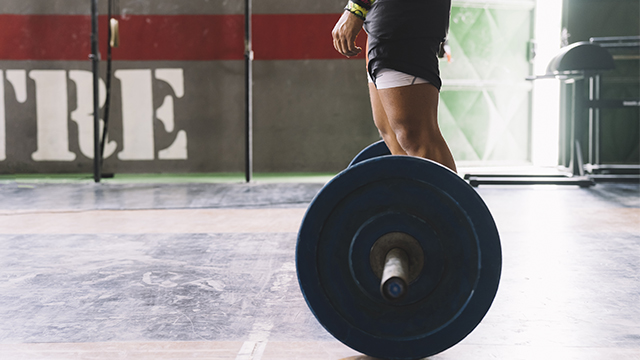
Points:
345	33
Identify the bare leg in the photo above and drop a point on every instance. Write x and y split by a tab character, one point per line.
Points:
407	118
382	123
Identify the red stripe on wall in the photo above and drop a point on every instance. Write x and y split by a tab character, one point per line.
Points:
296	37
173	37
59	37
181	37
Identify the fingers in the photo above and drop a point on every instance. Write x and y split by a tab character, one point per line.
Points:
344	35
346	47
350	49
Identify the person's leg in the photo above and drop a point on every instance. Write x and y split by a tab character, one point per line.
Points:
382	123
408	117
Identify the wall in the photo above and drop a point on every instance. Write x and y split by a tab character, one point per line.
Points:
178	88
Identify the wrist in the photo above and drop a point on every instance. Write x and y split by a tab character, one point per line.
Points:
357	10
367	4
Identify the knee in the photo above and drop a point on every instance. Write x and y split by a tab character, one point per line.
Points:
416	136
412	141
385	132
409	133
384	129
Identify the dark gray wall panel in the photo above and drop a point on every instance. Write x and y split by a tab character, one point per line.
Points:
298	7
146	7
311	115
171	7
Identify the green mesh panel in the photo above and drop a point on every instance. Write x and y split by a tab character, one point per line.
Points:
485	99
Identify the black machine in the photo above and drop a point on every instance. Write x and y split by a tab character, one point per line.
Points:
578	66
623	47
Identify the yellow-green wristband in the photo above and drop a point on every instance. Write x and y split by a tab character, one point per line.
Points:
356	10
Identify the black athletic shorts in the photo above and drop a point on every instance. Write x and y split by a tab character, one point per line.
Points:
405	35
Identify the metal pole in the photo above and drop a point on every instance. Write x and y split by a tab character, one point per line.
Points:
95	57
107	102
248	58
591	120
596	135
395	276
572	135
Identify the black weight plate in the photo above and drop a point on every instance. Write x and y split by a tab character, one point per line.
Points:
378	148
443	213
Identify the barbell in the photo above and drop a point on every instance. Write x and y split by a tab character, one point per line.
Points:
397	256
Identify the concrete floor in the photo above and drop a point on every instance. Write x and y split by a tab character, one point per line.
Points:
206	271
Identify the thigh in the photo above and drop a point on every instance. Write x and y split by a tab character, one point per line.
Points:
411	108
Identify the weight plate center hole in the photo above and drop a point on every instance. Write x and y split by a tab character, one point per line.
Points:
397	259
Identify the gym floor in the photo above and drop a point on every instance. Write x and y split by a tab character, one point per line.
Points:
176	269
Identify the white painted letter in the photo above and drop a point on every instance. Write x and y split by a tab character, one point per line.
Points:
51	116
178	149
18	79
137	114
173	77
83	114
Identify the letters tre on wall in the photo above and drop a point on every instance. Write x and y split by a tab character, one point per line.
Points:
52	104
177	101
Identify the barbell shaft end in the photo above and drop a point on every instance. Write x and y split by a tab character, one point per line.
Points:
394	285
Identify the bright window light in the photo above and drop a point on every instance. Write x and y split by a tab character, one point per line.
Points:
545	127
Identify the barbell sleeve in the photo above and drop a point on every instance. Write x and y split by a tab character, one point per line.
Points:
394	284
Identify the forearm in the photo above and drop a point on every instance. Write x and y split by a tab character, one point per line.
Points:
359	8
